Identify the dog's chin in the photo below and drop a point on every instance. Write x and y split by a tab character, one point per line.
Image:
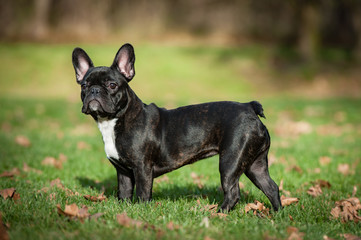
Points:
95	108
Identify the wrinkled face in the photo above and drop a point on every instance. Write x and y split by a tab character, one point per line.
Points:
104	90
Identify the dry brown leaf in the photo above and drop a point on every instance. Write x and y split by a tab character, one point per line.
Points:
3	233
294	234
258	208
295	168
7	193
322	183
16	197
348	236
343	168
286	201
57	183
347	210
95	216
57	163
126	221
13	172
171	226
22	141
26	168
324	160
98	198
72	211
315	191
210	208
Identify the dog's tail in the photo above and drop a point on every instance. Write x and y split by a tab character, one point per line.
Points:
257	108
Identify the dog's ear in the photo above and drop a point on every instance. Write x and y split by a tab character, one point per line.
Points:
124	61
81	63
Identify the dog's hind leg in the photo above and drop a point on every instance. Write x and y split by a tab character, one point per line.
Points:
259	175
231	167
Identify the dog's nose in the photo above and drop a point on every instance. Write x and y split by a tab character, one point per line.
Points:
95	91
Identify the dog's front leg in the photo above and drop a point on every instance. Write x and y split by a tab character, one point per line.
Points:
144	182
125	185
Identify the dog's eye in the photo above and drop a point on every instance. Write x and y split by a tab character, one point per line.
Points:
112	85
83	86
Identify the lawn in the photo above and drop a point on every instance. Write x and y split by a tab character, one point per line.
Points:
53	156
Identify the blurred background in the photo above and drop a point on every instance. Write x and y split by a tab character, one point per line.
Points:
258	48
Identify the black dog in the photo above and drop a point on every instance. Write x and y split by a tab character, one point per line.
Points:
144	141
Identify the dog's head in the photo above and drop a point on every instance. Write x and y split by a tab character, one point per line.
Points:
104	90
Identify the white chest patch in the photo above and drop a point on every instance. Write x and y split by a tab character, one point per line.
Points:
106	127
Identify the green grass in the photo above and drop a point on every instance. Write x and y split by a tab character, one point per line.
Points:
50	117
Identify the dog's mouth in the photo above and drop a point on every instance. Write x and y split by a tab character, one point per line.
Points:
93	106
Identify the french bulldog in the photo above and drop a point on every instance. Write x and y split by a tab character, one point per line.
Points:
144	141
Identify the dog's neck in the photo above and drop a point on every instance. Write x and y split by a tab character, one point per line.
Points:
132	108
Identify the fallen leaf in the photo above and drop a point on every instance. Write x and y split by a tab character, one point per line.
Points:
322	183
315	191
171	226
7	193
57	183
126	221
294	234
343	168
286	201
348	236
3	233
51	161
26	168
83	212
22	141
324	160
16	197
72	211
210	208
98	198
13	172
258	208
295	168
347	210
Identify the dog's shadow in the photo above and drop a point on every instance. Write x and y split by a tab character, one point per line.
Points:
164	191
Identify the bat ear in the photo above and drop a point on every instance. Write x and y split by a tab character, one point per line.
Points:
81	63
124	61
